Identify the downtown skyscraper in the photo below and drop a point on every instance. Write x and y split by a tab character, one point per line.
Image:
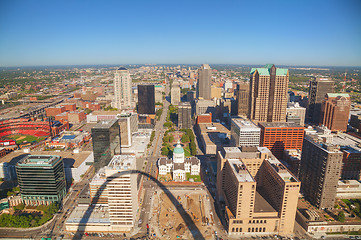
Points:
204	82
319	87
268	94
122	89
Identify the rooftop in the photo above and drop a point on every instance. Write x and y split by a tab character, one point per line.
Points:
279	125
81	214
240	170
105	124
281	170
122	162
39	160
245	124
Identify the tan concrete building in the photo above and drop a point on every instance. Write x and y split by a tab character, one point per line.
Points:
204	82
213	137
216	92
268	94
175	93
258	192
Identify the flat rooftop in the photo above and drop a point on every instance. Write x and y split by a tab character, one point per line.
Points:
70	159
210	133
84	214
105	123
122	162
281	170
240	170
279	124
39	160
245	124
261	205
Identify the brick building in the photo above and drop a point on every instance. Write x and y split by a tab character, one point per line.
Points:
53	111
279	136
335	111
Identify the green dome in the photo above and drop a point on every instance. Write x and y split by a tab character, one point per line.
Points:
178	149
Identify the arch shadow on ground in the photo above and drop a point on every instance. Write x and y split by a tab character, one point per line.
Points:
185	216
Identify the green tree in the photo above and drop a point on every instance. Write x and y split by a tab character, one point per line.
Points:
341	216
165	151
193	148
185	138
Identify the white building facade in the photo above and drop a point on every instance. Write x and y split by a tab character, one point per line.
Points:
122	89
244	133
179	166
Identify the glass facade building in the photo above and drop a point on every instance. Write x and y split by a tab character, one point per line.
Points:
41	179
146	99
106	142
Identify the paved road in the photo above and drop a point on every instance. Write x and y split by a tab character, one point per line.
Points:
151	169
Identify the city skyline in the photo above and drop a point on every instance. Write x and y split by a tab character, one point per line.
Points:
299	34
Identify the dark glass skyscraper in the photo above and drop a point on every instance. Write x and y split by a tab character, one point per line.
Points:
318	89
146	99
106	142
41	179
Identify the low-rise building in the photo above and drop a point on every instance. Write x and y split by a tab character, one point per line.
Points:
213	136
179	166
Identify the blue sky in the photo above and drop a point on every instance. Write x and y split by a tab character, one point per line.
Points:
321	33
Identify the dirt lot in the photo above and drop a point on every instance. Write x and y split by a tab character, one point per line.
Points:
168	222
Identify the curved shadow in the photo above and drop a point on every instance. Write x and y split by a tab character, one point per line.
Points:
185	216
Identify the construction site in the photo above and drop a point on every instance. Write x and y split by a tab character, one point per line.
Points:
166	221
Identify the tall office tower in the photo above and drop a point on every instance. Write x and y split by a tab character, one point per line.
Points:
146	99
243	99
244	133
259	193
317	91
106	142
268	94
204	82
184	115
335	111
41	179
122	192
175	93
320	171
122	89
280	136
128	124
294	109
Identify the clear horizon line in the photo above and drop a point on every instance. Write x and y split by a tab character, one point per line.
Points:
192	64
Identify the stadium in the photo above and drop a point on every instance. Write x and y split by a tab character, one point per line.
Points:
30	130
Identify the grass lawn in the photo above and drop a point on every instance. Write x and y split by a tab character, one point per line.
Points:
23	138
196	178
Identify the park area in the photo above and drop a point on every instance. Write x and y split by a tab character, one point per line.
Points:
22	216
185	136
20	139
167	223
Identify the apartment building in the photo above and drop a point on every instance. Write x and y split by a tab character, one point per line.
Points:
257	192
